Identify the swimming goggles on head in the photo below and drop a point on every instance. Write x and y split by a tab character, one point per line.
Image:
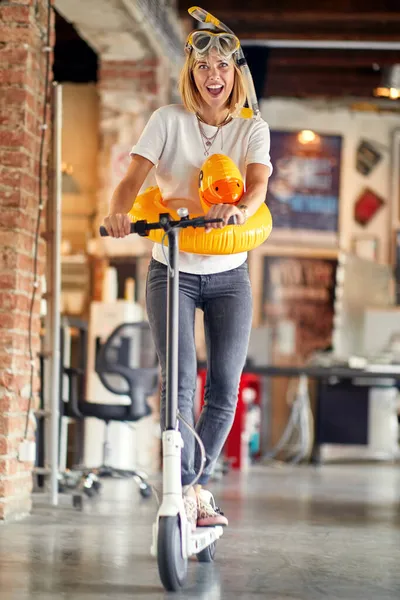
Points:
202	41
253	110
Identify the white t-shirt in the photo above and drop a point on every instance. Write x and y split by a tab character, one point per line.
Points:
171	140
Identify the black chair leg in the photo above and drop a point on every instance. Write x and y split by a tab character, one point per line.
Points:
140	478
144	488
90	477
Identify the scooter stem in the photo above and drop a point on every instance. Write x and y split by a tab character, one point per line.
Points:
171	410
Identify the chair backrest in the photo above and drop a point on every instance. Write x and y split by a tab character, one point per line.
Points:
127	365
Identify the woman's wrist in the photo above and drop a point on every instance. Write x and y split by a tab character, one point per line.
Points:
244	209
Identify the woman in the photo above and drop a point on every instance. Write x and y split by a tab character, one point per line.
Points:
177	140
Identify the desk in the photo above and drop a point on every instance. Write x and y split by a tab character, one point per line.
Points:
317	372
322	374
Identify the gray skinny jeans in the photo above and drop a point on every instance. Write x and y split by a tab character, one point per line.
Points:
226	300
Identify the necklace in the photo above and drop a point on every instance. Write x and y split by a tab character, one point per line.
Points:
228	116
208	141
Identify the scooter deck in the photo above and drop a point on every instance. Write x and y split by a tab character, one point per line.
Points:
203	537
196	541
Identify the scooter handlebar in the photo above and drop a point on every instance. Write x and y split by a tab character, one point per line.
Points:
143	227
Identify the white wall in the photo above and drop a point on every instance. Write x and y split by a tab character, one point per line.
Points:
294	115
80	143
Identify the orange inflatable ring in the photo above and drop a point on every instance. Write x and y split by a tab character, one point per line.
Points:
219	181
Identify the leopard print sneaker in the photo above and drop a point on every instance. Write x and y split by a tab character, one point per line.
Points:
208	514
190	510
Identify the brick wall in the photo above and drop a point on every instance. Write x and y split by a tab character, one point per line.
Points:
129	92
23	34
139	75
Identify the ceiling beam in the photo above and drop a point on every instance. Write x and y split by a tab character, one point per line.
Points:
310	25
333	44
319	83
291	58
261	32
323	75
298	89
316	16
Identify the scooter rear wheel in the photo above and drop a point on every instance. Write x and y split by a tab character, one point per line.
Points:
172	566
207	555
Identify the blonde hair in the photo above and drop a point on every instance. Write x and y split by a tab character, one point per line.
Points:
191	97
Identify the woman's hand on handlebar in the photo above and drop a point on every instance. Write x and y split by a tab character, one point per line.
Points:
223	211
118	225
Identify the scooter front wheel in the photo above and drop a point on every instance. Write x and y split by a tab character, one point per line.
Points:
172	566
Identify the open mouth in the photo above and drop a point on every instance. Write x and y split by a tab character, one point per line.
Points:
215	90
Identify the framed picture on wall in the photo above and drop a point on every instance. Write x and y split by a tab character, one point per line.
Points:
303	192
395	178
297	301
366	246
293	299
366	206
367	157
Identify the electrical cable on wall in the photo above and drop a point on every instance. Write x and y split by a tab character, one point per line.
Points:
299	427
47	50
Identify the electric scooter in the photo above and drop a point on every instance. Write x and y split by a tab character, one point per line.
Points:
173	539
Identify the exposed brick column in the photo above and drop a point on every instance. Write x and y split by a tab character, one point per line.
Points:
129	92
23	35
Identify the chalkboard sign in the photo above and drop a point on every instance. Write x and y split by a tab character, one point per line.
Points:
303	191
300	291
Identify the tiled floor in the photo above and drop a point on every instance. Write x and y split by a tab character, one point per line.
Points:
295	533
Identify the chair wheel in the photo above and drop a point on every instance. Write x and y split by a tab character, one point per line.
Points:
145	490
77	501
97	486
96	483
90	492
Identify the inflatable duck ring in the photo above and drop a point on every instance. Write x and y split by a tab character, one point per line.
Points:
220	181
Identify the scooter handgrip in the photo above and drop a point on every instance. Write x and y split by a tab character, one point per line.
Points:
104	232
232	220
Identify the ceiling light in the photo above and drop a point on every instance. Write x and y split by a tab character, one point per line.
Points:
306	136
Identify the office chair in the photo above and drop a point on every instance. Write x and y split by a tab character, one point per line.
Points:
127	365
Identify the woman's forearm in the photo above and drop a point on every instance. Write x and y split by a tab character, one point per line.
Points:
256	187
123	197
254	197
126	191
117	222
